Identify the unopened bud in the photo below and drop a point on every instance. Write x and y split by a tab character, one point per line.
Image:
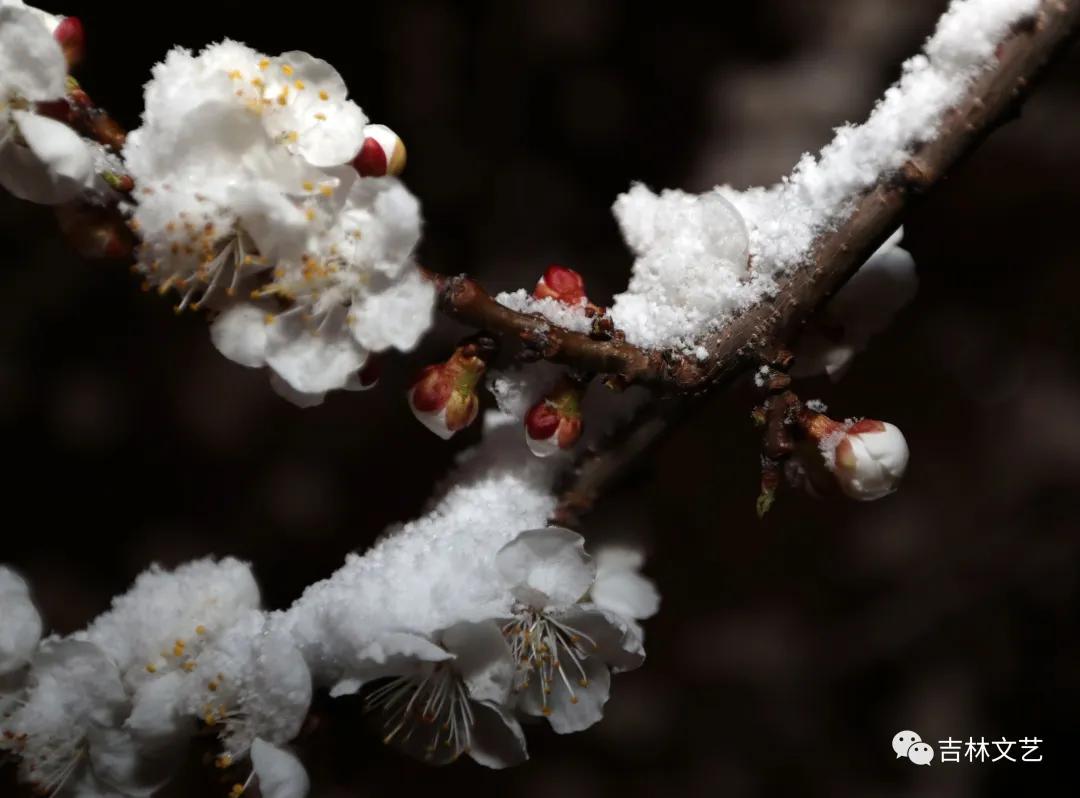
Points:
562	284
381	154
443	396
868	458
554	423
72	39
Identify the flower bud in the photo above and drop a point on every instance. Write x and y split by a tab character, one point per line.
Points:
867	458
870	460
381	154
562	284
70	36
443	396
554	423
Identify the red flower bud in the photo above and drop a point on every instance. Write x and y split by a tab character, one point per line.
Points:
866	458
443	396
72	39
382	153
562	284
554	423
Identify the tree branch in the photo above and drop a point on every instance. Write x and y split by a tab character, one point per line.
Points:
994	99
836	255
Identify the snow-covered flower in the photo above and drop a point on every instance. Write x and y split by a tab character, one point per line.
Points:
41	159
253	686
449	698
246	188
20	629
565	647
861	309
74	695
162	623
869	460
554	423
620	586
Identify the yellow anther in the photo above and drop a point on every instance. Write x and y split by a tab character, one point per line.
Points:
151	667
188	666
293	136
212	686
310	214
300	85
200	629
324	95
178	648
257	83
223	760
321	117
309	186
264	63
288	70
236	74
326	191
283	98
268	318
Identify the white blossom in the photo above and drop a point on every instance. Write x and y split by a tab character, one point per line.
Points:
449	699
280	773
41	160
565	647
861	309
20	630
245	189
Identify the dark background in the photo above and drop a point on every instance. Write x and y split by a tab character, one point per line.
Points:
787	653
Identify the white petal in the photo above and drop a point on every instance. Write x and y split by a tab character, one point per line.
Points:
497	740
626	593
156	718
547	567
335	140
396	316
239	333
120	763
20	629
31	62
282	688
54	166
482	658
290	394
310	361
280	773
391	653
578	710
611	638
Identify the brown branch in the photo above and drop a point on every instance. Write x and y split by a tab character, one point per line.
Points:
994	98
836	255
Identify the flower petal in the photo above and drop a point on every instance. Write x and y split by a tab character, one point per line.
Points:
610	638
620	587
31	62
571	709
483	659
280	773
239	333
547	567
21	627
54	165
396	316
497	739
390	654
290	394
309	360
120	763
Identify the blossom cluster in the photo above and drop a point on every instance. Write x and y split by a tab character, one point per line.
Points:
454	626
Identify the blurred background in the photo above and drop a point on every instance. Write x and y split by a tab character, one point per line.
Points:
787	653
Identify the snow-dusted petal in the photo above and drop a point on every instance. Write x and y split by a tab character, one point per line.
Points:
388	654
32	65
497	739
280	773
20	623
547	567
395	316
239	333
157	718
310	360
119	762
53	166
482	659
620	587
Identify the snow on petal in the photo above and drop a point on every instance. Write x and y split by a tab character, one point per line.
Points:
280	773
21	627
547	567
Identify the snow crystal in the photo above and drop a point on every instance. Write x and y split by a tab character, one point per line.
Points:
562	314
681	288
